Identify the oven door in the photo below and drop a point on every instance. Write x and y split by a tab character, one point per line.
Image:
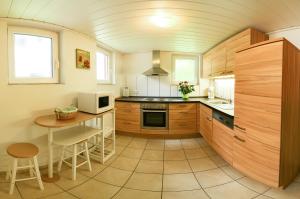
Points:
154	119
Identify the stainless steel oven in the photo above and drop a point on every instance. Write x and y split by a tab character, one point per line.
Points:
154	116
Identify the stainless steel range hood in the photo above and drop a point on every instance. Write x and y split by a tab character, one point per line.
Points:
156	70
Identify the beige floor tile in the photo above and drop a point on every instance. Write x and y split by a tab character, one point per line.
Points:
119	149
174	155
263	197
132	153
125	163
212	178
190	144
138	143
63	195
202	164
209	151
4	189
94	189
110	160
180	182
123	141
291	192
176	166
137	194
150	166
173	144
97	167
30	189
229	191
113	176
232	172
142	181
153	155
155	145
202	142
219	161
194	194
253	185
66	182
195	153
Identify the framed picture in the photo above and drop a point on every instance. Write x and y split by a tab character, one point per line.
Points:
82	59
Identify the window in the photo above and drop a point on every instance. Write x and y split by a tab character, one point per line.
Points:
104	65
33	56
185	68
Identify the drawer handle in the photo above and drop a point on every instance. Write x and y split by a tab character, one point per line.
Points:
208	118
239	139
241	128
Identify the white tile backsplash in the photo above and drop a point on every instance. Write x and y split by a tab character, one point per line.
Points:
224	88
153	86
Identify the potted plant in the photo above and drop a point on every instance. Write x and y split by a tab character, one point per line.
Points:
185	88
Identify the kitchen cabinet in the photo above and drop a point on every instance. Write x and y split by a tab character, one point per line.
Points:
128	117
182	118
206	122
221	59
266	142
222	140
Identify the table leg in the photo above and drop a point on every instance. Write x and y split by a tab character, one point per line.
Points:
50	177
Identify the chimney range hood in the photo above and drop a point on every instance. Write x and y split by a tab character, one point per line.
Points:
156	70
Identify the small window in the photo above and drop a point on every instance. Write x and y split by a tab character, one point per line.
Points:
104	67
33	56
185	68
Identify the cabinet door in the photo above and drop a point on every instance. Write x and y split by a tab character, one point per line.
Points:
128	117
206	67
218	59
222	140
206	122
257	160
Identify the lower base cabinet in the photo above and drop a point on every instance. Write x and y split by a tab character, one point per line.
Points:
222	140
206	123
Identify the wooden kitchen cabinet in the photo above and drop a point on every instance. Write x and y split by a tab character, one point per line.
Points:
182	118
221	59
267	109
128	117
222	140
206	122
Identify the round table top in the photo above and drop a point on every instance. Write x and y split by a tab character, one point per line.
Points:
22	150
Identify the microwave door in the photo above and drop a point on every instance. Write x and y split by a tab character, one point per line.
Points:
103	101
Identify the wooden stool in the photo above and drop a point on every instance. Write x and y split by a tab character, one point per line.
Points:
23	151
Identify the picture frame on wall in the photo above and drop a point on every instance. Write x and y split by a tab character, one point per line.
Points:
83	59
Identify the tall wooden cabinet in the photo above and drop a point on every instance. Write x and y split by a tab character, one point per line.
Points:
267	106
221	59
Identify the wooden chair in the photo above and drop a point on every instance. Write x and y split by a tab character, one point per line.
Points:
23	151
77	138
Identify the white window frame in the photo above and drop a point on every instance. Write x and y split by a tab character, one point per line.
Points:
111	66
183	56
32	32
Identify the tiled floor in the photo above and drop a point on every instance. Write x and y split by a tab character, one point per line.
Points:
155	169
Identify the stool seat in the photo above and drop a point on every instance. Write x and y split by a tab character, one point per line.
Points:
22	150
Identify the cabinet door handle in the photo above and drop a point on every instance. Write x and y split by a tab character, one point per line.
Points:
208	118
239	139
241	128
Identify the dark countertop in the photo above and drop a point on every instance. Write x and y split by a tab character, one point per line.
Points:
203	100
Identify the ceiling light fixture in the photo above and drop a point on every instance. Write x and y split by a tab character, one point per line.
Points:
162	20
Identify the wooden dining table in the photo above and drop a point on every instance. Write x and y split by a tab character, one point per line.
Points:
51	123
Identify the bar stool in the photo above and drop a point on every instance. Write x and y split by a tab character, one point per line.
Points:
77	138
23	151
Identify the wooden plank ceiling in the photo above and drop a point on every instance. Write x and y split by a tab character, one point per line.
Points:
125	25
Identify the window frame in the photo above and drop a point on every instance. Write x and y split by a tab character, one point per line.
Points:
32	32
184	56
111	66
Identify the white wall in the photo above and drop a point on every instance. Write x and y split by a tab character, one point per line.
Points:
291	34
137	63
21	104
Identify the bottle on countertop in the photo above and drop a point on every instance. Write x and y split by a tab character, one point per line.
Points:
211	92
125	92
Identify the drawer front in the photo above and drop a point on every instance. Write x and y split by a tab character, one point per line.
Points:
206	109
182	115
257	160
206	126
128	126
130	115
127	105
189	107
222	140
179	126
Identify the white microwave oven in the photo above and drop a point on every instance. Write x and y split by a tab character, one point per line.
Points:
95	102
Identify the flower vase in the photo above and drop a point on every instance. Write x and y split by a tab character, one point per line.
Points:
185	96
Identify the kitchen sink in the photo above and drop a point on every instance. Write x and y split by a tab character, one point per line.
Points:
218	102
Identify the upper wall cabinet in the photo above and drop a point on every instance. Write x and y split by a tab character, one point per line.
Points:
220	59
